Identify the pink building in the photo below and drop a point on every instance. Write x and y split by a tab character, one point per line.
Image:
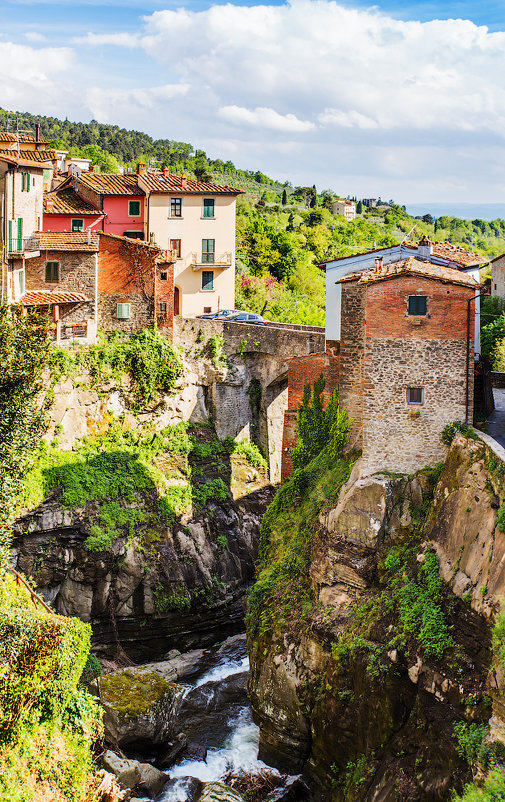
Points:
118	197
65	210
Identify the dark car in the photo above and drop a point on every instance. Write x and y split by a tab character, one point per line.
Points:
248	317
223	314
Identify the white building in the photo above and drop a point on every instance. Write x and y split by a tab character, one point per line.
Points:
346	208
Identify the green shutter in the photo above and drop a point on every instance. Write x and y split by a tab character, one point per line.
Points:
20	233
52	272
10	236
78	225
28	179
21	281
208	249
208	207
22	182
207	279
47	175
123	311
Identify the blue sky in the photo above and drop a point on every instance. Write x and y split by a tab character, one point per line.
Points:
402	100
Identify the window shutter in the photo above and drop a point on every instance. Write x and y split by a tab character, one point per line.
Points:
10	235
207	280
27	180
123	311
208	249
21	280
20	233
208	207
52	272
22	182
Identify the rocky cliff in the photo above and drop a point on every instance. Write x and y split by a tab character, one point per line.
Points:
375	671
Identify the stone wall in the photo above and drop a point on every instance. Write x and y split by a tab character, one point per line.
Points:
498	277
76	274
352	351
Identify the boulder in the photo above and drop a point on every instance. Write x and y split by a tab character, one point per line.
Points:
126	771
151	780
172	752
138	707
218	792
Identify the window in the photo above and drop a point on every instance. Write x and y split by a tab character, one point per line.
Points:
10	236
176	207
175	245
134	208
163	307
163	276
207	280
207	310
418	304
21	281
52	272
78	224
20	233
208	207
25	182
415	395
47	175
133	234
208	248
123	311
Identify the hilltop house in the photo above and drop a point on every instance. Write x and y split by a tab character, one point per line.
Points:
346	208
498	276
92	279
196	220
403	363
443	254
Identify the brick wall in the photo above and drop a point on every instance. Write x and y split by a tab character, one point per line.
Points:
76	274
141	313
352	351
88	194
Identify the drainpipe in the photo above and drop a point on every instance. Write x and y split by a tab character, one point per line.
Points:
467	382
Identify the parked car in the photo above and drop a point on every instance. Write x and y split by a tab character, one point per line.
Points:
248	317
224	313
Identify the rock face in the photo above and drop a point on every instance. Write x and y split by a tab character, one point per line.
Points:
139	707
218	792
185	590
353	699
141	778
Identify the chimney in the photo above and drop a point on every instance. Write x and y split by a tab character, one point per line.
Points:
379	262
49	204
184	181
166	172
91	169
141	168
424	248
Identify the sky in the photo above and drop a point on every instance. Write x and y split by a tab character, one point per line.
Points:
402	100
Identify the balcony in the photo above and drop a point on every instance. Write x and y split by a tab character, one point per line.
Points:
23	246
205	261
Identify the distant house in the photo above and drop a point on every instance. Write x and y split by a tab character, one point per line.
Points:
440	253
498	276
33	149
89	280
118	197
195	220
346	208
71	165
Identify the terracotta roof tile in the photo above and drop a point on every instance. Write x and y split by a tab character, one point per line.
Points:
415	267
110	183
49	297
67	201
453	253
31	155
67	240
8	136
160	182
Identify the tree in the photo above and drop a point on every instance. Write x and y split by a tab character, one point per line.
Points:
284	196
24	356
359	208
427	218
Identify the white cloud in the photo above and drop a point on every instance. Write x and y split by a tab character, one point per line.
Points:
31	75
102	39
33	36
107	105
265	118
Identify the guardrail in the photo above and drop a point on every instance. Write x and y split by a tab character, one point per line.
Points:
34	596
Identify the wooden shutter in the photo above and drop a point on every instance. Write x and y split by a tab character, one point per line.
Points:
123	311
208	249
10	236
207	280
20	233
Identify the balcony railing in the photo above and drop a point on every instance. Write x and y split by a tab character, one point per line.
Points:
204	260
23	245
66	333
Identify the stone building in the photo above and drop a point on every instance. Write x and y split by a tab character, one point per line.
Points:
346	208
498	276
406	360
89	280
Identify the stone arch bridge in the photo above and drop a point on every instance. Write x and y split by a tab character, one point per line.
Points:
249	397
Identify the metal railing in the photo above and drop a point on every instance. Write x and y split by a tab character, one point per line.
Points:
201	260
22	244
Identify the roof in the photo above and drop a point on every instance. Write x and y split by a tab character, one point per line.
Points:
453	253
130	240
344	202
163	182
412	267
67	201
67	240
9	136
36	156
111	183
49	297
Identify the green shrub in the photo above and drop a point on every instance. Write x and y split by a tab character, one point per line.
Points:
251	452
42	657
470	743
500	518
492	790
450	430
319	427
92	669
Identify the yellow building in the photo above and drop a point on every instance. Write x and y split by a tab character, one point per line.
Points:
196	220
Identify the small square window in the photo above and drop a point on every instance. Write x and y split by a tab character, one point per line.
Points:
207	310
207	280
52	272
78	224
134	208
415	395
163	307
123	311
418	304
176	207
163	276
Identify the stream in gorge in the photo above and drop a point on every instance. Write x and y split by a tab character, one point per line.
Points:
216	717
